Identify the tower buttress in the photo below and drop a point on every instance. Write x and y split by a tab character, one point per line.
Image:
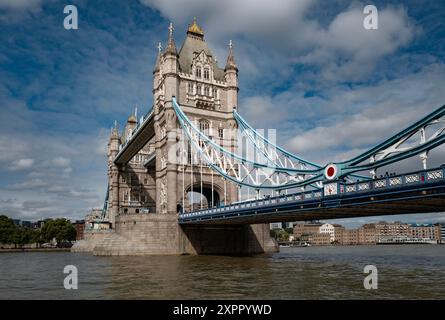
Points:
113	176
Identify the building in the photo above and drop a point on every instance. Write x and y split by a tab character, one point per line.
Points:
320	239
328	228
40	223
386	230
367	234
350	237
423	231
301	229
152	166
152	181
440	232
79	225
288	225
276	225
26	224
338	233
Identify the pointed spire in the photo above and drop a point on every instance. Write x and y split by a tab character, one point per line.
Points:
158	59
230	58
114	131
171	47
132	118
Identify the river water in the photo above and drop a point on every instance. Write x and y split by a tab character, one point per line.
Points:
404	272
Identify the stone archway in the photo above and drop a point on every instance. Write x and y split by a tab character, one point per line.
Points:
193	201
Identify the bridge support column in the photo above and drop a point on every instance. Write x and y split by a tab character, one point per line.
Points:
227	239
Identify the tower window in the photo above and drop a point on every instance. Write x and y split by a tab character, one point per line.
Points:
204	127
206	73
198	89
198	72
221	133
189	87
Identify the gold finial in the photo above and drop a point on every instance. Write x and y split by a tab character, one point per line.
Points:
194	28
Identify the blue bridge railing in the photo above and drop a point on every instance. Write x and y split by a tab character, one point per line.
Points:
380	185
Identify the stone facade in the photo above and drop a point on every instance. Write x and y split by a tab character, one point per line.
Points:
423	231
367	234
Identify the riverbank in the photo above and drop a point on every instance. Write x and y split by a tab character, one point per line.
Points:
36	250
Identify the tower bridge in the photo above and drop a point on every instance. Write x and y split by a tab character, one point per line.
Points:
192	176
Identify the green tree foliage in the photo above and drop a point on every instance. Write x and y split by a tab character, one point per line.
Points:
7	230
60	229
280	234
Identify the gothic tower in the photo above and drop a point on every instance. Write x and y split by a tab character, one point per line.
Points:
207	95
149	180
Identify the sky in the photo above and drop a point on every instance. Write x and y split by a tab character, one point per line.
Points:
308	69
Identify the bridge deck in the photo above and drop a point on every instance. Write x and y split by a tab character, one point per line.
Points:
418	192
142	134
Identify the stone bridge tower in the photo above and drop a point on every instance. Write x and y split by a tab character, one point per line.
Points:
147	191
207	94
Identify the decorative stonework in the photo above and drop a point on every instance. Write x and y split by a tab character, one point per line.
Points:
163	196
164	161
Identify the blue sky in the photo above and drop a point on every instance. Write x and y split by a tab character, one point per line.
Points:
307	69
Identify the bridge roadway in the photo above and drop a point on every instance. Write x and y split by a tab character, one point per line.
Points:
140	136
416	192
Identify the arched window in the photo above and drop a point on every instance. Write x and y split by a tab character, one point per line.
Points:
189	87
206	91
198	72
206	73
204	127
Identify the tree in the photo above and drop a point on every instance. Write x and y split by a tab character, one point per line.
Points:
279	234
7	230
60	229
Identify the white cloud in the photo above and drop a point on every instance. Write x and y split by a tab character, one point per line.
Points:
358	48
377	112
61	162
343	49
22	164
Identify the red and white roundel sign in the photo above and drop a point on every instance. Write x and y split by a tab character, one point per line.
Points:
330	172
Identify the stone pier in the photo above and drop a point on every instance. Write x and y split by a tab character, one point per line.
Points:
159	234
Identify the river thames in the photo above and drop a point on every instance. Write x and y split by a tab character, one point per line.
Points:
404	272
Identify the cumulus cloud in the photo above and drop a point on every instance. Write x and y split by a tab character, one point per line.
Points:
395	107
358	48
22	164
342	49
